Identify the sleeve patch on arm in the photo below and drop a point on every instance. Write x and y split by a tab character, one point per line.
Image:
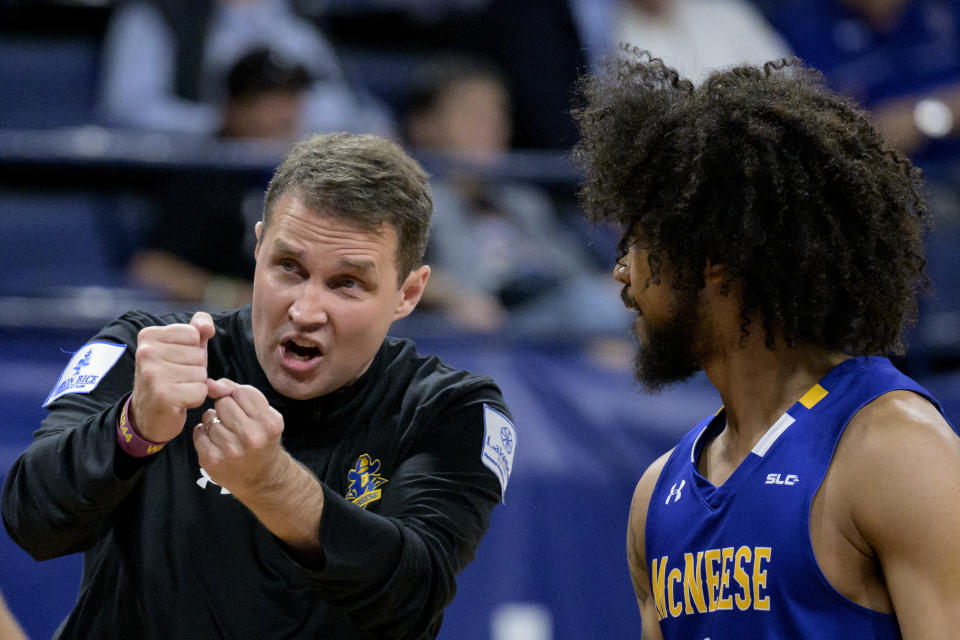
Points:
499	445
86	369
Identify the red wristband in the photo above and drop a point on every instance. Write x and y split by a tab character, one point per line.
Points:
131	441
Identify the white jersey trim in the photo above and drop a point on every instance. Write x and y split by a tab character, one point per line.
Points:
774	432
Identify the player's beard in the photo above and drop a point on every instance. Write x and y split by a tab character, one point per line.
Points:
668	354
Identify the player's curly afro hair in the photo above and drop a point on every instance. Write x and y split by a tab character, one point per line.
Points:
766	171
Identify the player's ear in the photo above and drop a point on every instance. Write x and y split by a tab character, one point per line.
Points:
714	272
715	275
411	291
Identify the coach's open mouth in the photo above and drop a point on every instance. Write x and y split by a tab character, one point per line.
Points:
301	352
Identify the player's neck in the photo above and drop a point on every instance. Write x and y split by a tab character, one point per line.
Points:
758	384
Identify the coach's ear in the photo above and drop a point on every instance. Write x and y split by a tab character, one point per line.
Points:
411	291
258	232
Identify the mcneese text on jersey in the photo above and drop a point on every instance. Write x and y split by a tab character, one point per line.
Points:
711	580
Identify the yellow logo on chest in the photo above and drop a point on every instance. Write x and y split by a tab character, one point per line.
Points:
363	481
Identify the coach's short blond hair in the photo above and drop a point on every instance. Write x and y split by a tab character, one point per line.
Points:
365	179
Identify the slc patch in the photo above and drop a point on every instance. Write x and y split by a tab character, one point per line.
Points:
86	368
499	444
363	481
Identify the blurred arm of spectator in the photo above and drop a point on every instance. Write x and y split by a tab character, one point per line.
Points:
165	62
139	76
896	58
693	36
181	280
199	249
468	310
9	628
909	122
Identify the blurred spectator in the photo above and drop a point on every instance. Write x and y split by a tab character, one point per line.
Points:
499	254
898	58
165	62
265	96
200	247
534	43
692	36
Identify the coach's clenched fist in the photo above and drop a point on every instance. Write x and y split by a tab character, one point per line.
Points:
170	376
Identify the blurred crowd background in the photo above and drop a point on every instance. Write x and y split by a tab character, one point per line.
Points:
136	139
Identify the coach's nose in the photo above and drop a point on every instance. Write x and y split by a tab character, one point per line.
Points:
308	309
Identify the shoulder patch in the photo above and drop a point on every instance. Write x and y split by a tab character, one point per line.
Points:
499	445
86	368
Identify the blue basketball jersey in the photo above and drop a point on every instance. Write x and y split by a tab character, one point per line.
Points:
736	561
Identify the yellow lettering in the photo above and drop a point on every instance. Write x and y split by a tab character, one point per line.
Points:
760	603
675	607
712	580
740	576
725	602
658	585
692	584
712	556
154	448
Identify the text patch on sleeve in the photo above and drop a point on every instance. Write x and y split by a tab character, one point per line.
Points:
499	445
86	368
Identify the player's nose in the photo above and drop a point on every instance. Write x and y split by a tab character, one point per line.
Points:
621	272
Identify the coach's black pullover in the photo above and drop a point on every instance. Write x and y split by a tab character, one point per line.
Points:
169	554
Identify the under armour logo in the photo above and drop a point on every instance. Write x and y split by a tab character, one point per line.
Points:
675	491
205	478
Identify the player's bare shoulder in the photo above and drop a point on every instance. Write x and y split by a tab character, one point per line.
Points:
902	429
900	461
893	447
636	546
645	487
636	526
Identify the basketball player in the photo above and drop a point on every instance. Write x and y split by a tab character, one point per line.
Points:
774	240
